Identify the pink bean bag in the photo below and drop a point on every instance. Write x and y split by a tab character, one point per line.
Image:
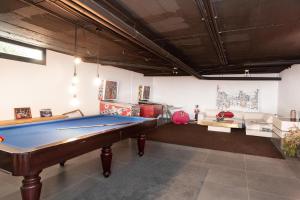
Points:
180	117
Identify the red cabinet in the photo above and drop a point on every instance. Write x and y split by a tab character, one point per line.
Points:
151	110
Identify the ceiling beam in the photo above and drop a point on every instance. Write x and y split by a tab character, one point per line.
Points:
273	63
251	65
242	72
209	18
219	78
243	78
123	64
240	68
165	74
100	14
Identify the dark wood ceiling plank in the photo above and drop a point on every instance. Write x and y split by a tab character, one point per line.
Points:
53	31
103	16
22	34
177	22
252	14
255	36
139	24
256	30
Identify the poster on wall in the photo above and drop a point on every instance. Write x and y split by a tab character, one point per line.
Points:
237	99
108	90
144	93
140	92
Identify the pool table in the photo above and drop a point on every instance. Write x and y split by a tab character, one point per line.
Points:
29	148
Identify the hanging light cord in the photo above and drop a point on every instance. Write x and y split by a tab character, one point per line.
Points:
75	42
75	50
75	70
98	62
98	67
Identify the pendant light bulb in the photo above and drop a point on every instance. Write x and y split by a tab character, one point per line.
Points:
77	60
73	89
74	101
97	81
75	79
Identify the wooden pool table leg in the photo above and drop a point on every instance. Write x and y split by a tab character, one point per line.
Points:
106	157
141	143
31	187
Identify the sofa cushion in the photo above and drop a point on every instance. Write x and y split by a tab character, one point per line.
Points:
253	115
257	124
268	118
211	113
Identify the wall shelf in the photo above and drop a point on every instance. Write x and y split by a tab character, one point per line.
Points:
30	120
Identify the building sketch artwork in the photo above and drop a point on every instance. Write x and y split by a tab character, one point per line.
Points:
239	100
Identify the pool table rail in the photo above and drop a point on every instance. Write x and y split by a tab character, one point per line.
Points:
20	162
13	149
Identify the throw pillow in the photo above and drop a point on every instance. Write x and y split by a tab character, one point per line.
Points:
226	114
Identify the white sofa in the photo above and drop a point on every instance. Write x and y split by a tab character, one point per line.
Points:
255	123
259	124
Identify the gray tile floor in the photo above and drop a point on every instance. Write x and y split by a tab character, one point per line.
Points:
167	172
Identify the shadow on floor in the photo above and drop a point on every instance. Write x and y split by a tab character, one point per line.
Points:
155	176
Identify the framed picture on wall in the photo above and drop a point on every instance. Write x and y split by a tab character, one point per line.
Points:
110	90
45	113
22	113
140	92
144	93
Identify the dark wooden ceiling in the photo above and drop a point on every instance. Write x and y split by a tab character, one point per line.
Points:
163	37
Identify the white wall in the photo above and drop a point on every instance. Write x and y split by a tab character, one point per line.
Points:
128	82
38	86
289	91
189	91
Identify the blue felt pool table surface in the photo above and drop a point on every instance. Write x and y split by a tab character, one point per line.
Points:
44	133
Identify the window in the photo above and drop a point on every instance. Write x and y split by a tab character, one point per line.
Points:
13	50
